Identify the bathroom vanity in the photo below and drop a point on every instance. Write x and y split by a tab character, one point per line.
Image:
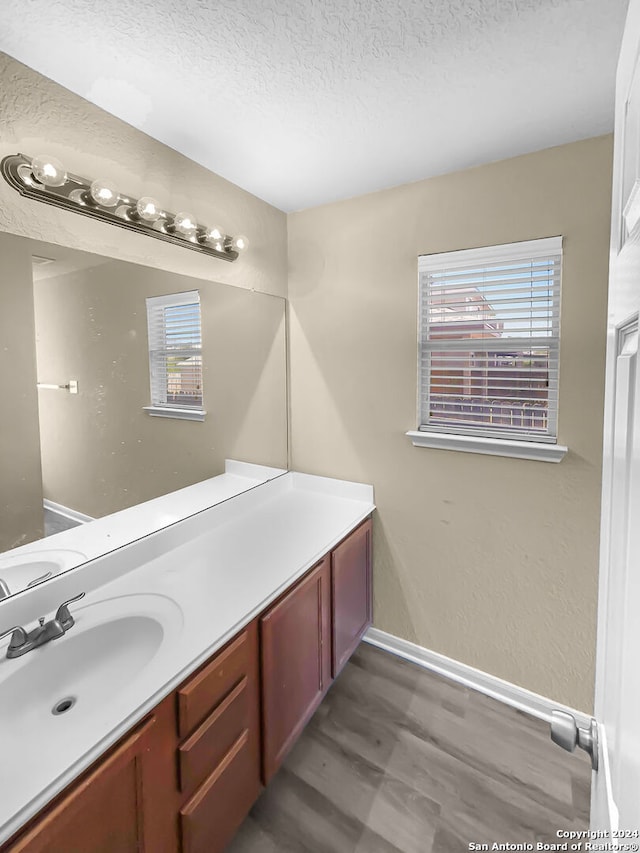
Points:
259	600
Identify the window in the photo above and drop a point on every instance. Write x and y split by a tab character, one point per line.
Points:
489	342
175	355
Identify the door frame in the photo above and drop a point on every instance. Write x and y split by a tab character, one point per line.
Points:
604	812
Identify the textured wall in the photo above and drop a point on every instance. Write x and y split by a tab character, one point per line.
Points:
41	117
100	451
21	517
489	560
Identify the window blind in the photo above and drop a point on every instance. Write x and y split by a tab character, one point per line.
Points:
175	350
489	340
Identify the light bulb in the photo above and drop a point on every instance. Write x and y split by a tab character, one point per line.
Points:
48	171
185	224
147	209
214	235
239	243
104	193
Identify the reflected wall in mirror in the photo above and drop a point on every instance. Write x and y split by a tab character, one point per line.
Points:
68	316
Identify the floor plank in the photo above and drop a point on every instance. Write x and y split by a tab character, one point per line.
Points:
400	760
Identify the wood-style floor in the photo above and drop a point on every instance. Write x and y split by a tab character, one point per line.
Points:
399	760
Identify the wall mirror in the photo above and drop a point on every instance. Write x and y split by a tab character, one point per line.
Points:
71	321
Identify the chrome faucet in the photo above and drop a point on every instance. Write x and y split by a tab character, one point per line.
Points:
24	641
4	589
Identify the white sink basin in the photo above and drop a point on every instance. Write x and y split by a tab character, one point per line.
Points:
20	570
88	673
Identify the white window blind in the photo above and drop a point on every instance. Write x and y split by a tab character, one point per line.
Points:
489	341
175	351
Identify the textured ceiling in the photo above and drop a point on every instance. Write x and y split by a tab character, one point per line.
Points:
306	101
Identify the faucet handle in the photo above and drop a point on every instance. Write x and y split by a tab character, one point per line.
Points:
18	636
36	581
62	613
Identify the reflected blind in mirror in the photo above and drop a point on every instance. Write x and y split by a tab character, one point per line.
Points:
175	350
489	339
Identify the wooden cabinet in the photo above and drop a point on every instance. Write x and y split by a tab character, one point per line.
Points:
202	692
307	637
351	593
295	642
209	820
105	812
184	779
219	762
208	745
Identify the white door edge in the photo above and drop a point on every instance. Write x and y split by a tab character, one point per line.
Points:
604	813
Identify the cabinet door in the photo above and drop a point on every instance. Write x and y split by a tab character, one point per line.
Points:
104	813
296	663
351	590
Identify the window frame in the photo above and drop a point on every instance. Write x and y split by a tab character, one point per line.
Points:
499	440
155	346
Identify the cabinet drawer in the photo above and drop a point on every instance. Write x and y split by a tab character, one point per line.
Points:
212	740
210	818
207	688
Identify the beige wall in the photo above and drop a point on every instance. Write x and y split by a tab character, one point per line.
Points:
488	560
491	561
21	517
100	451
41	117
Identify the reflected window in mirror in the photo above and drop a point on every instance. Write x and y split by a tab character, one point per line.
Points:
175	356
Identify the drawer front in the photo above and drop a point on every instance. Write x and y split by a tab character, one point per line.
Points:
210	818
200	695
213	739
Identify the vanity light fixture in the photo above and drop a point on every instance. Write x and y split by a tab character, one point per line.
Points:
45	179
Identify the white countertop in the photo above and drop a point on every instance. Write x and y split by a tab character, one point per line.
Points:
101	535
221	567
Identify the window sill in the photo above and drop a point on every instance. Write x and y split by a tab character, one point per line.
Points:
181	414
537	451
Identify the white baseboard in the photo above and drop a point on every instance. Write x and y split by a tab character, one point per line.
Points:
67	512
476	679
